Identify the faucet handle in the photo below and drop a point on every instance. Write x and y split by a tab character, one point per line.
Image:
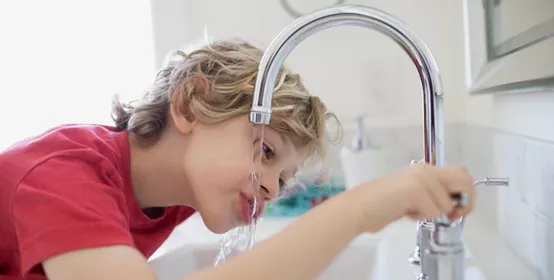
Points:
462	199
493	181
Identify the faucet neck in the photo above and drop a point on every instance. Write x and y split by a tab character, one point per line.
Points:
370	18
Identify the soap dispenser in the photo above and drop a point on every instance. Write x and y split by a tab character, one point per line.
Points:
362	161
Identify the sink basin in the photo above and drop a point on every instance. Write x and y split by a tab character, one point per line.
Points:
361	260
377	256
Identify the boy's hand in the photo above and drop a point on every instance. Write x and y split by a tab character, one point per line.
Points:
420	192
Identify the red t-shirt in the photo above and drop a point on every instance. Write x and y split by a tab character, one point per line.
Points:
70	188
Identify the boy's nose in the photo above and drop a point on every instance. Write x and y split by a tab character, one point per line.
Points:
270	191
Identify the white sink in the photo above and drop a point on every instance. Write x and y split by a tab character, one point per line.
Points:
361	260
371	256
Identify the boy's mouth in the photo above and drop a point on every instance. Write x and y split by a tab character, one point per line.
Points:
251	207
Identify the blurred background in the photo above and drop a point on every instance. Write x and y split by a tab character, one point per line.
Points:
61	61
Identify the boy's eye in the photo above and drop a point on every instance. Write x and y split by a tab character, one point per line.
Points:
268	152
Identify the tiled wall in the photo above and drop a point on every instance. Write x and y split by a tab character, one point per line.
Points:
523	212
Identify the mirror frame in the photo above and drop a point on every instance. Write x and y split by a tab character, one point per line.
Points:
499	67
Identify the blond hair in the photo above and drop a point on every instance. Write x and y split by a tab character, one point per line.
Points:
215	82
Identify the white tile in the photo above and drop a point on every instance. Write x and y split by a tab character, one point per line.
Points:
534	160
543	192
504	215
487	202
508	161
516	223
519	171
503	160
544	244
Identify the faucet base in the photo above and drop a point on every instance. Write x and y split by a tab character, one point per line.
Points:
422	277
424	230
415	257
447	265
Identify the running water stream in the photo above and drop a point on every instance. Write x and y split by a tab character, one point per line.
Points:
242	237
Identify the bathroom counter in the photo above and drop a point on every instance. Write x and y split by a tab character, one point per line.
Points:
487	256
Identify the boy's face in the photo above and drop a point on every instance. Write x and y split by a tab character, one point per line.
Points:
218	165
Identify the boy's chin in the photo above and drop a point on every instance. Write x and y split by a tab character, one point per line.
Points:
218	225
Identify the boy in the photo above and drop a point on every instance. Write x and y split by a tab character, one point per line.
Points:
94	202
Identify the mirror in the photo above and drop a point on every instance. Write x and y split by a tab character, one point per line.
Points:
509	46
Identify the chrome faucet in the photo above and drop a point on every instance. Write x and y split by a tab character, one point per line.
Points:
438	241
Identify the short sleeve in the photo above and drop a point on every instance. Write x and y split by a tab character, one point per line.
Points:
65	204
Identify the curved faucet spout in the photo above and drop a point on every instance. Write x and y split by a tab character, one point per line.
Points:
404	36
371	18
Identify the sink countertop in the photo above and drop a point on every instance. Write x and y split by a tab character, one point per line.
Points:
487	256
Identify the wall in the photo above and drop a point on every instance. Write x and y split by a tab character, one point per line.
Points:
519	144
522	211
360	64
512	135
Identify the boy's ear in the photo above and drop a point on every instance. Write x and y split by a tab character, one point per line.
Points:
180	109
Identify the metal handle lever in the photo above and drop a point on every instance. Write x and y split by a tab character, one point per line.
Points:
462	199
492	181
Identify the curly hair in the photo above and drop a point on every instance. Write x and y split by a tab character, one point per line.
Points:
215	82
